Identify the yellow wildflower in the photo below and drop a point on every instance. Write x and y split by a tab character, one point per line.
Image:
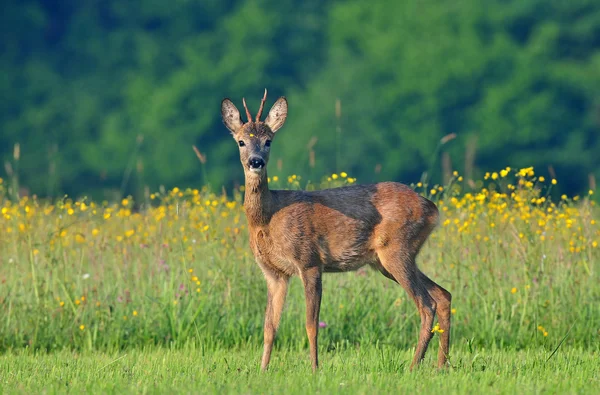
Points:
437	329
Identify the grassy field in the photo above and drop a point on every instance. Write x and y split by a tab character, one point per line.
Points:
369	369
164	294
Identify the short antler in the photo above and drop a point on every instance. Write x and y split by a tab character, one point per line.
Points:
247	111
262	105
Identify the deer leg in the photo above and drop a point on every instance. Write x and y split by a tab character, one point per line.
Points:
405	273
276	292
443	299
311	278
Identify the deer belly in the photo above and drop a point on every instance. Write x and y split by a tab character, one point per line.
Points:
338	267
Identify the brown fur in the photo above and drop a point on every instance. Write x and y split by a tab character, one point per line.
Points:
335	230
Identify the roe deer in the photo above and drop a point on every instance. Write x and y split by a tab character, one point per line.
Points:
334	230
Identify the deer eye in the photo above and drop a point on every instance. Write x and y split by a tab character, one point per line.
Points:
268	143
241	143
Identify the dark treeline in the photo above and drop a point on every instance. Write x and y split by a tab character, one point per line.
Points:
110	95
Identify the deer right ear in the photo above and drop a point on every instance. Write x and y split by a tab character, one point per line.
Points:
231	116
277	114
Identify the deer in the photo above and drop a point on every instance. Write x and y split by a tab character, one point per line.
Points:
309	233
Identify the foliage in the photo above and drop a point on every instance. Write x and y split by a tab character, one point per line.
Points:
84	275
107	97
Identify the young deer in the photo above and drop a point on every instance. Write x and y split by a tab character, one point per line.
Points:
334	230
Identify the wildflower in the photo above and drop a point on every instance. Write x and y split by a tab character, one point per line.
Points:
437	329
590	192
455	173
334	176
322	324
554	182
453	311
494	176
135	313
275	178
541	179
81	327
433	191
125	202
343	174
62	303
503	173
594	244
513	291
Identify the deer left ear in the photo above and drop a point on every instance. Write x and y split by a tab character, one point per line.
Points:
231	116
277	114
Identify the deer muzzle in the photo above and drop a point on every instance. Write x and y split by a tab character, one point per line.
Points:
256	164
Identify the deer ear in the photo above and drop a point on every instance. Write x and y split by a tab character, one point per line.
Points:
231	115
277	114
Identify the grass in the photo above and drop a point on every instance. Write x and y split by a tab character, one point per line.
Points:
166	294
372	369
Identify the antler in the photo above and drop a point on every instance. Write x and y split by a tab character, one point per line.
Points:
262	105
247	111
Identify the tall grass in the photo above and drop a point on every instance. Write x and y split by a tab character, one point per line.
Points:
82	275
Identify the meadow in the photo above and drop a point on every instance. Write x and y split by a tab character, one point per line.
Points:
163	294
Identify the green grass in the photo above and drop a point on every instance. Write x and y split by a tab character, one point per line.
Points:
98	298
369	369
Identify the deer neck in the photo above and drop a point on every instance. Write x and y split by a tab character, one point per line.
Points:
258	200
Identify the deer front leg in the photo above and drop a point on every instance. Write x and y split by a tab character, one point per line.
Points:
312	291
276	291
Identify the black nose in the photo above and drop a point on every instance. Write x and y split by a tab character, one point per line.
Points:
256	163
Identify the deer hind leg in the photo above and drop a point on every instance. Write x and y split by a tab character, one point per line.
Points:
276	292
443	299
403	270
313	289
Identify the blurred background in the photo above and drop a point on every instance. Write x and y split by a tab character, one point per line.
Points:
107	97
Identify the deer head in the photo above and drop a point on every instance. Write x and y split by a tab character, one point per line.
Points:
254	137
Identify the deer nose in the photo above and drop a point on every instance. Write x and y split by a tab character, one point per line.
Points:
256	163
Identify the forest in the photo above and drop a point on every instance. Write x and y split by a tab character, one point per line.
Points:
106	98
